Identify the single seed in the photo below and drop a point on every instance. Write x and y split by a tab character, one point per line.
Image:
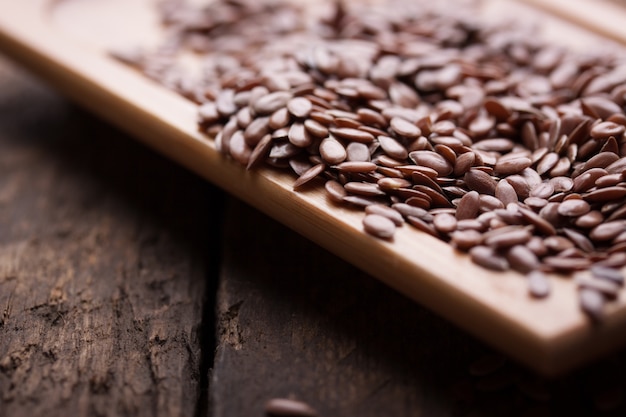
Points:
386	211
592	303
574	208
358	152
538	284
299	107
488	258
309	175
379	226
522	259
445	223
468	206
335	191
480	181
332	152
283	407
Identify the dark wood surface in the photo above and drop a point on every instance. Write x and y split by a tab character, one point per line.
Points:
128	288
103	265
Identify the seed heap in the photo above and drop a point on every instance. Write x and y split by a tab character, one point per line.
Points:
478	134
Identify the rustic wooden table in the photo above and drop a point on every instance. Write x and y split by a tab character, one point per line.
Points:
128	286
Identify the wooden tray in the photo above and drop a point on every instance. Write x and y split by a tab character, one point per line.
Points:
606	17
65	43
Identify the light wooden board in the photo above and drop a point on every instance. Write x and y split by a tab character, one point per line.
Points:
550	335
606	17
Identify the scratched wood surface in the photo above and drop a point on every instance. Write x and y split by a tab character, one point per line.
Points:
294	321
103	265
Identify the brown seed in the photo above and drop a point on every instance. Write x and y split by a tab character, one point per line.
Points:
608	288
284	407
309	175
239	149
603	195
371	117
610	274
393	148
352	134
538	284
520	185
563	264
579	240
604	130
225	103
592	303
260	152
547	163
363	188
617	167
601	160
586	180
279	119
543	190
299	136
356	166
463	163
558	243
609	180
332	152
574	208
393	184
561	184
386	211
513	235
480	181
422	226
299	107
315	128
335	191
445	223
511	166
562	167
488	258
208	114
541	224
432	160
589	220
379	226
358	152
466	239
410	211
468	206
494	145
270	103
256	130
607	231
522	259
404	128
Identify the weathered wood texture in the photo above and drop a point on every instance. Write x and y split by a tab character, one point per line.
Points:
103	250
295	321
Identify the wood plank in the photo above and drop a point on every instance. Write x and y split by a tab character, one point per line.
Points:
103	265
295	321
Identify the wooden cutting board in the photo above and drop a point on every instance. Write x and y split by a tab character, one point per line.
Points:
66	42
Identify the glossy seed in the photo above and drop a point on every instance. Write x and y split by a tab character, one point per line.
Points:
283	407
299	107
538	284
332	152
379	226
